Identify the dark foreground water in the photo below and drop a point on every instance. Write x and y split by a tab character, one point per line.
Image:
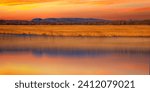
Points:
29	54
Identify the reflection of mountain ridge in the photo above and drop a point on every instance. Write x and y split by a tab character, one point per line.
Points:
72	52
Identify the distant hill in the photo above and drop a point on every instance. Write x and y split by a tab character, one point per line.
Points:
74	21
68	20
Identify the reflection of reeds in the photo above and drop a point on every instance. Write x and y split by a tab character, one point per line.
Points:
75	45
102	43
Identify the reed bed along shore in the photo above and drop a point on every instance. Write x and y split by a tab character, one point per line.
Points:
78	30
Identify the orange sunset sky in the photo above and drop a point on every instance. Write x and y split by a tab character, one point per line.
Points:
105	9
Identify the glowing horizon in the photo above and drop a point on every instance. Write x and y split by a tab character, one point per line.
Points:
104	9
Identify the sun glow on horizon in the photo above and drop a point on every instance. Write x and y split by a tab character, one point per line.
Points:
107	9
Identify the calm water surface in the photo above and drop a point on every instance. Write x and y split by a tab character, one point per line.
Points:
29	54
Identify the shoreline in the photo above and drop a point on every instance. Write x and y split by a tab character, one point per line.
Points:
36	35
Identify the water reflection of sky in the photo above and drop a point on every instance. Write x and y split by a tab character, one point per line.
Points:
58	55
